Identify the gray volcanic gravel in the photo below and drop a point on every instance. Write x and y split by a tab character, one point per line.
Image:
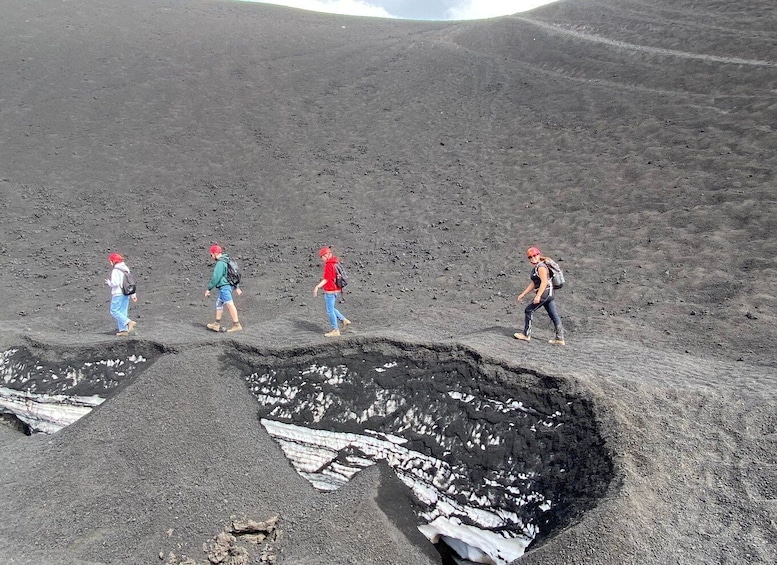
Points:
632	142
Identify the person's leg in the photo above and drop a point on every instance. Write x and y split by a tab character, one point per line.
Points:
225	296
119	307
528	317
550	306
329	300
338	315
225	293
232	311
225	299
219	309
528	314
125	310
115	310
216	326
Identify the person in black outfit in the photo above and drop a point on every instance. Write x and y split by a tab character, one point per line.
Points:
544	295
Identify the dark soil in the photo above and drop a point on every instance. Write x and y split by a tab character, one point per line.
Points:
632	142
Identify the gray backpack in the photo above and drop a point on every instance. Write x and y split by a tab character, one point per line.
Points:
556	274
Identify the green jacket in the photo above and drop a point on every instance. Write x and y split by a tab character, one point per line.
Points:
219	277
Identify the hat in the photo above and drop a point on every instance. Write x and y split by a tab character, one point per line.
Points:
115	258
323	251
215	249
532	251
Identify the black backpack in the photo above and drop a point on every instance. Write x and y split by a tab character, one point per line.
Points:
341	278
128	285
233	272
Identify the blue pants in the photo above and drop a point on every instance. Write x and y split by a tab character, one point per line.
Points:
549	303
119	310
330	298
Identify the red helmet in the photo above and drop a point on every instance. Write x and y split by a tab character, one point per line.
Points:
532	251
215	249
323	251
115	258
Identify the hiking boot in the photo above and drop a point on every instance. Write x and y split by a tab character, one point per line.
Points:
557	341
522	337
346	322
122	333
235	328
215	326
131	326
334	333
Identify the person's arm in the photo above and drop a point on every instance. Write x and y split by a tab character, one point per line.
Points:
318	286
116	279
219	270
526	291
325	277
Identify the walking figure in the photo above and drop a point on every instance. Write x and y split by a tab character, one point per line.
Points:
331	291
544	296
220	281
122	285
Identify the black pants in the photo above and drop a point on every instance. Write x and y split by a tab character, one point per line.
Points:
549	303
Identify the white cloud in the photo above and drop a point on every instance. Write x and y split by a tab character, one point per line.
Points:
345	7
480	9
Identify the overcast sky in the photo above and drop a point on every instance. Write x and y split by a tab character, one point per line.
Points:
416	9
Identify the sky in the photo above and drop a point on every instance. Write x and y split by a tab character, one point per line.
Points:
415	9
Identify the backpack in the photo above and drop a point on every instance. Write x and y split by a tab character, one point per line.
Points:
128	285
556	274
341	278
233	273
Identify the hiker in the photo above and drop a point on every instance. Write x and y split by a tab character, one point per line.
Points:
544	295
119	300
220	281
331	291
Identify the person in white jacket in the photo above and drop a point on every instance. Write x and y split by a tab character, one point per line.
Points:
120	301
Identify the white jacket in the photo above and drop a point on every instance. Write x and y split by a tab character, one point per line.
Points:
117	278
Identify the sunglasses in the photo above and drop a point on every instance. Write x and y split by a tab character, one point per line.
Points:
533	256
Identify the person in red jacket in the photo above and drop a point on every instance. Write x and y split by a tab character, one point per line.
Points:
331	291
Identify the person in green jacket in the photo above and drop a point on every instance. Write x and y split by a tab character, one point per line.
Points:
220	282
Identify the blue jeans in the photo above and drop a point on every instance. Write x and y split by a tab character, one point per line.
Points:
330	298
225	296
119	309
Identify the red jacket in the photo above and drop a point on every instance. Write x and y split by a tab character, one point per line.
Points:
330	275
